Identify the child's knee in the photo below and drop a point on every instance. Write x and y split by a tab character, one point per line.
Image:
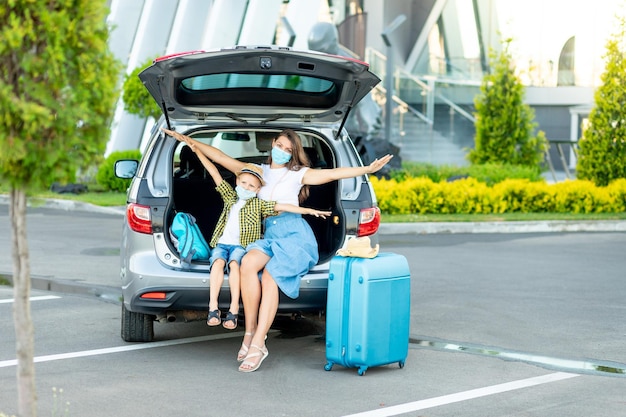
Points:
218	263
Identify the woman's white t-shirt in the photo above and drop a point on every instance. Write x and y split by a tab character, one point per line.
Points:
281	184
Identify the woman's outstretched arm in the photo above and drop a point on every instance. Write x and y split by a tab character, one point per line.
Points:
214	154
323	176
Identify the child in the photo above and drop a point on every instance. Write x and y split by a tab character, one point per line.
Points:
239	224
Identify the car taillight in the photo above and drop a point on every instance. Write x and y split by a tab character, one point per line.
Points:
139	218
154	296
369	220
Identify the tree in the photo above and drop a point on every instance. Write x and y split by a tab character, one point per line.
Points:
602	152
57	92
504	124
137	99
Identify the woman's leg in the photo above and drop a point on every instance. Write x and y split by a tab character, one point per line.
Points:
267	312
267	308
251	264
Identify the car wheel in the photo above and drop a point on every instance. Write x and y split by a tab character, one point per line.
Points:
136	327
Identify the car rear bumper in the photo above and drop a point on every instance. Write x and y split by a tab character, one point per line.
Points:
183	290
190	299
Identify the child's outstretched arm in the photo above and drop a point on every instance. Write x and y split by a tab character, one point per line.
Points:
301	210
206	162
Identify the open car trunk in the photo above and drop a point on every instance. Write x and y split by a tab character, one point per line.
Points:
194	192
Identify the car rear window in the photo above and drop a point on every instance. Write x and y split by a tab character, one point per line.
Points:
258	90
280	82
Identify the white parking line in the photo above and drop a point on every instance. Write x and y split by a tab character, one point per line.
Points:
43	297
117	349
465	395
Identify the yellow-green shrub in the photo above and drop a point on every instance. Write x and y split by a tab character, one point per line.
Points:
422	194
617	193
388	196
522	196
465	196
469	196
413	195
580	196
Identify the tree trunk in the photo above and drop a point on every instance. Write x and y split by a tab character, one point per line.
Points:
24	333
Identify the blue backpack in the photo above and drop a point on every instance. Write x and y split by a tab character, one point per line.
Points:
188	239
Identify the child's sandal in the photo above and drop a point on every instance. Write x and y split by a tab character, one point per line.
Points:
215	314
230	318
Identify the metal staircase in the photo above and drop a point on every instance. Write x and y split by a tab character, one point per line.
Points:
419	142
415	131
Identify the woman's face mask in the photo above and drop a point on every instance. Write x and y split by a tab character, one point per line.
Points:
279	156
244	194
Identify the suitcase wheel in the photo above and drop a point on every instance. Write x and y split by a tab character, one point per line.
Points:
401	364
362	370
328	366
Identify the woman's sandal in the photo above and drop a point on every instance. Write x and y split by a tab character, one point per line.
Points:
230	317
243	352
215	314
261	353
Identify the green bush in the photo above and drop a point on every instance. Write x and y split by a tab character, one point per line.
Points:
495	173
602	153
505	126
137	99
435	173
490	173
106	172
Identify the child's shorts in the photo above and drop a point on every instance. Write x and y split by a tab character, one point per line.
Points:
229	253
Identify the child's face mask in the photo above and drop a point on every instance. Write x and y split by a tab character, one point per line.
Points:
244	194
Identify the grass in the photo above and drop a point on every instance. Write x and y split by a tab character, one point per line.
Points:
104	199
5	281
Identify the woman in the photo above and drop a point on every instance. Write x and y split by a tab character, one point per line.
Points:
289	248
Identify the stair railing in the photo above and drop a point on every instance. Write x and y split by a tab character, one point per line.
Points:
414	86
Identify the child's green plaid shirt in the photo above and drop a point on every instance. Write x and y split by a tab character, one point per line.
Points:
250	217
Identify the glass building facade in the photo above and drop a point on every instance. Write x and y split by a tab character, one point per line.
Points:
552	42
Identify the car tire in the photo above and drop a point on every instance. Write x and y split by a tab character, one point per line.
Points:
137	327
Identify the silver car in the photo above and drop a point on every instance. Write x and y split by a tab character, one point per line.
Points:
237	100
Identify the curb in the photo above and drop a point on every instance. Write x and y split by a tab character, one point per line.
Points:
559	226
420	228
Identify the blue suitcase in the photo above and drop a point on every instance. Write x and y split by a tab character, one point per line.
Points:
368	311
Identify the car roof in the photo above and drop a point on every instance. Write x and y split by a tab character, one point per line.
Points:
258	84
